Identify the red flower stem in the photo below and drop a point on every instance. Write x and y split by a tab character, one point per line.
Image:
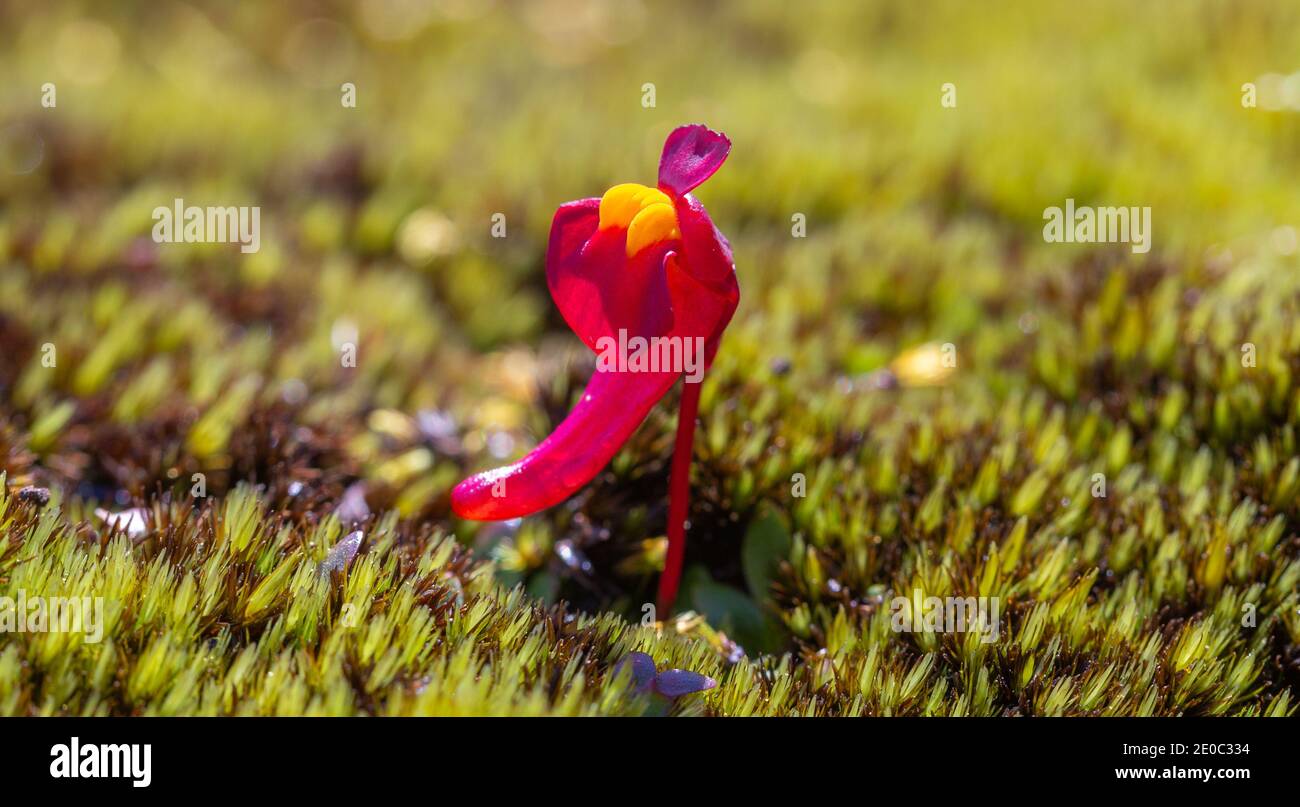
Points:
679	497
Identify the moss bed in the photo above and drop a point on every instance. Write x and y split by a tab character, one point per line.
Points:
838	461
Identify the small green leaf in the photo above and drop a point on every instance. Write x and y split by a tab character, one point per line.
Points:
766	544
730	611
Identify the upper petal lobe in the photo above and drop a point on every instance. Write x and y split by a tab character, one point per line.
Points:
691	155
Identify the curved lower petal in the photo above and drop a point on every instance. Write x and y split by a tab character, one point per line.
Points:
610	409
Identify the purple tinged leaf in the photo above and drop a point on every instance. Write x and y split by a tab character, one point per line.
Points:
342	553
643	670
676	683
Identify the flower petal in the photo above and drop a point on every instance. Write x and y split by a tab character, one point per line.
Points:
597	288
610	409
701	278
691	155
706	251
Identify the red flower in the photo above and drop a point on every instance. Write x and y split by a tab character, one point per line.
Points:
638	263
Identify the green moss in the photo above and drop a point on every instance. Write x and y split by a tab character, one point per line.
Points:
839	463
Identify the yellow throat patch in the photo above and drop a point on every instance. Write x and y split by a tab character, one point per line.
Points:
646	213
